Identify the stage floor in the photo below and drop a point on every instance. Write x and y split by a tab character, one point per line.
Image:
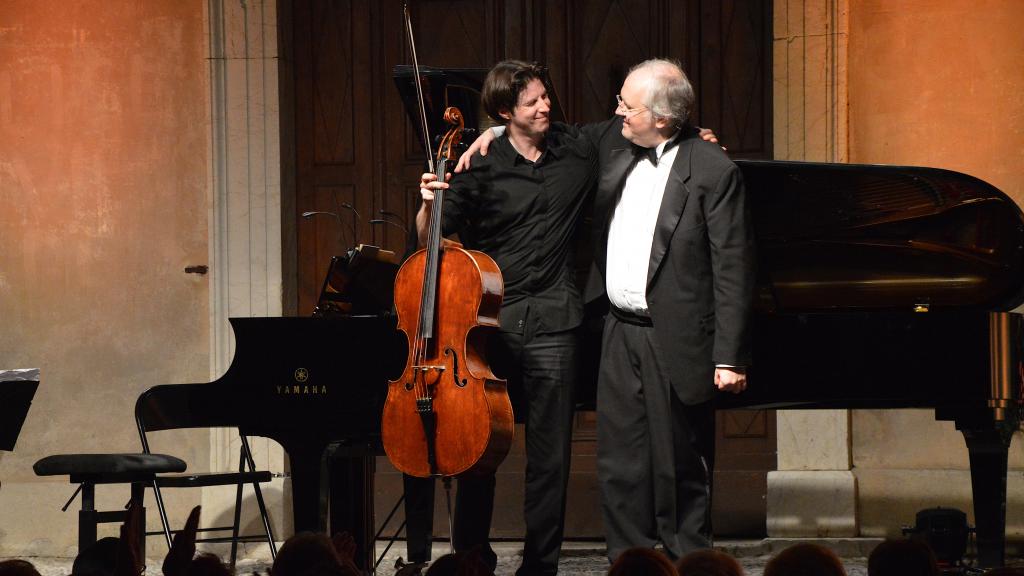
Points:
578	558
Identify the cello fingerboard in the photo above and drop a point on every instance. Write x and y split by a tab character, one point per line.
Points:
428	311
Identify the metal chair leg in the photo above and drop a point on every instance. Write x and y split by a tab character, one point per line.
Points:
238	511
158	497
259	499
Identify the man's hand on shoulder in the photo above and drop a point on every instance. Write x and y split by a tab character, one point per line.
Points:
708	135
482	144
729	379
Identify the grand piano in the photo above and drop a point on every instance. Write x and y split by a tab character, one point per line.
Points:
894	287
317	386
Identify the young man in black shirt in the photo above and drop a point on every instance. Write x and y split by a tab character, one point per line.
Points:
520	205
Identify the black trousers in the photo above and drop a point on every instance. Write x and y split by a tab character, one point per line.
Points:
541	372
654	454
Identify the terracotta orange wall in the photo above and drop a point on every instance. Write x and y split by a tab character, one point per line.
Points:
103	201
934	83
939	83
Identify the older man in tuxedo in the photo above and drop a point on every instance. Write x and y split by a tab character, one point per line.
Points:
674	254
674	257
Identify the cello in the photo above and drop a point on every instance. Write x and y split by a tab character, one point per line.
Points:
447	414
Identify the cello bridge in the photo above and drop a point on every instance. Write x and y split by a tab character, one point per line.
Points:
428	368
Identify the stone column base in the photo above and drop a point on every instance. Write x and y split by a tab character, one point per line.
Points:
812	504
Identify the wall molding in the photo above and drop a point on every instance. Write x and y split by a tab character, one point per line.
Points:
245	205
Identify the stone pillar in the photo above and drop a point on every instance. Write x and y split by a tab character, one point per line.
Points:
809	52
245	232
814	491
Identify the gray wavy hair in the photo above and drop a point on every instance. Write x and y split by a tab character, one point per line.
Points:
669	92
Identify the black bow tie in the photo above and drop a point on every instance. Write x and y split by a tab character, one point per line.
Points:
652	153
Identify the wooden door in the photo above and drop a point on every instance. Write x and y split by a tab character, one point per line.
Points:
335	136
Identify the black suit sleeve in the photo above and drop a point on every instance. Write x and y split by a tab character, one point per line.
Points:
731	238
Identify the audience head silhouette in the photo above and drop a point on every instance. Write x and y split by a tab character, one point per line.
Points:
309	554
98	559
708	563
17	568
206	564
902	558
468	563
642	562
805	560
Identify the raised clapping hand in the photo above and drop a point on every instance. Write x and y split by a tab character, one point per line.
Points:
183	547
128	559
345	550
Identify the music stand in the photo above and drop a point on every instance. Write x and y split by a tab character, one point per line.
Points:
17	387
360	282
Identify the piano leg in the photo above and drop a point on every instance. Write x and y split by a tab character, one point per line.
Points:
351	498
338	479
988	448
308	501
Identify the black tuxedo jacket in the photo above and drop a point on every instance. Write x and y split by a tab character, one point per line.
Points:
700	280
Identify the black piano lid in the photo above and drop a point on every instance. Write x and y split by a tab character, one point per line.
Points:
443	87
855	237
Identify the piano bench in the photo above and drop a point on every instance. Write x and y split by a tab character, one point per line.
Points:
88	470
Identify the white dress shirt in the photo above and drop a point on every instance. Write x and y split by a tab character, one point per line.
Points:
631	232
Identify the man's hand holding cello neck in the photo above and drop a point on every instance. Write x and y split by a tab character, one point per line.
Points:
428	183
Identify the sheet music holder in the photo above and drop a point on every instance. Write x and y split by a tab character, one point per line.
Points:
362	282
17	387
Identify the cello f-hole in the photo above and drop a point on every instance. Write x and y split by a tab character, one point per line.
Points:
461	382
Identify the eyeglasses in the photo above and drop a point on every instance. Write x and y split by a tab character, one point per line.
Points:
626	111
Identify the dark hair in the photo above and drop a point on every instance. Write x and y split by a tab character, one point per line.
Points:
17	568
207	564
96	559
302	553
640	560
708	563
902	558
447	565
504	83
466	563
805	560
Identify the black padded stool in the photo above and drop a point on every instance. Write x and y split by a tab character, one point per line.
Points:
88	470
